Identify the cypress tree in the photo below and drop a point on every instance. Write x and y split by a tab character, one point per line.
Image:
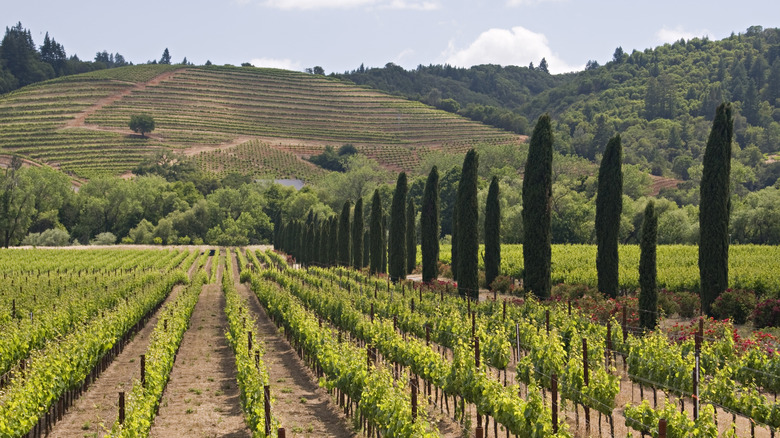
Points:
411	237
454	241
333	247
345	242
714	209
324	242
366	248
375	228
468	228
537	192
357	235
397	238
383	265
609	206
315	243
429	227
492	233
648	294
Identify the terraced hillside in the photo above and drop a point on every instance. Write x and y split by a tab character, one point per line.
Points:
257	121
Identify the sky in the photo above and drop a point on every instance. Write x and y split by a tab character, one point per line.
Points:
340	35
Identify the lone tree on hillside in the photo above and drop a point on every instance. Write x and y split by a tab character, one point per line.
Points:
648	295
714	209
537	210
429	227
468	228
609	206
397	238
492	233
166	57
142	123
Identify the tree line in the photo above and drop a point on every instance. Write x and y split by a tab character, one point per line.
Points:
343	240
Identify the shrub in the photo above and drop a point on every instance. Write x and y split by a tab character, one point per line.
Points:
767	314
502	284
737	305
157	240
127	240
51	237
106	238
184	240
689	304
667	304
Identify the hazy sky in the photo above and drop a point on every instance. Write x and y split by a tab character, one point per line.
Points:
339	35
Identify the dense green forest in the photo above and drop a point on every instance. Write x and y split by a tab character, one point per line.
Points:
23	63
660	100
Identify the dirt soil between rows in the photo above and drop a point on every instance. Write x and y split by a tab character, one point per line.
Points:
303	408
202	397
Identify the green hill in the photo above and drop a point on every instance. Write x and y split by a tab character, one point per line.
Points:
660	100
256	121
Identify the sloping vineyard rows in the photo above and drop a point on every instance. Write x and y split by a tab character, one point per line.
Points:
258	159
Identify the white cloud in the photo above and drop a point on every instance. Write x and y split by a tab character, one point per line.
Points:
415	5
404	53
516	46
666	35
528	2
317	4
284	64
418	5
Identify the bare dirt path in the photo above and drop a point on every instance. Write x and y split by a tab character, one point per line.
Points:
202	396
80	119
96	411
304	409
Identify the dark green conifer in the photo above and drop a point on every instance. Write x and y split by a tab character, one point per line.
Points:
468	228
397	238
429	227
375	228
537	192
333	247
492	233
366	248
345	242
324	242
609	207
357	235
648	294
411	237
714	209
383	266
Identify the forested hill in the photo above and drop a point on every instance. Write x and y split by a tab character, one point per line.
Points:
660	100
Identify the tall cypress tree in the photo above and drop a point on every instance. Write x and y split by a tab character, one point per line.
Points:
468	228
411	237
397	238
366	248
454	240
648	294
714	209
429	227
609	206
492	233
357	235
345	242
537	192
383	265
324	242
333	248
375	228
